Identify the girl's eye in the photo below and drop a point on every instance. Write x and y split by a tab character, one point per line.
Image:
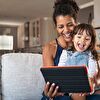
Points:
78	36
87	39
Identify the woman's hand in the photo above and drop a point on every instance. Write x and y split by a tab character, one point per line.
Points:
51	90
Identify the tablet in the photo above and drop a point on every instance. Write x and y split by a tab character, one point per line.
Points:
70	79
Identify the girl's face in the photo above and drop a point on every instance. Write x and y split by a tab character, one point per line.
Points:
65	25
81	41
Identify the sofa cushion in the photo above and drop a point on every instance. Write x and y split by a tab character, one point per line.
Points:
21	76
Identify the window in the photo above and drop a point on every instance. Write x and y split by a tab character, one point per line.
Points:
6	42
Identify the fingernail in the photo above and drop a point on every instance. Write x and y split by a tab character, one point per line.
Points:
48	83
53	84
57	87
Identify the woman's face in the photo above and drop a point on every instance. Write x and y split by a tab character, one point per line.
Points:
65	25
81	41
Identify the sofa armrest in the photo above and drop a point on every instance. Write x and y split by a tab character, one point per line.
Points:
21	76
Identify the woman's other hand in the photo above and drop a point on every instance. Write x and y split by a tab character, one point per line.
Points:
51	90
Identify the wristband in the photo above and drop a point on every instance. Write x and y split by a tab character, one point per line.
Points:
46	97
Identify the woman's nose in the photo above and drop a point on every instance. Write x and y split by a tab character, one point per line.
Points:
66	30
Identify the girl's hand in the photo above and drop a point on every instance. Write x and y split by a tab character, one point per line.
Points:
92	85
51	90
84	94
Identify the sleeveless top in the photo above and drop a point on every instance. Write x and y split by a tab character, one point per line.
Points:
71	58
77	58
58	53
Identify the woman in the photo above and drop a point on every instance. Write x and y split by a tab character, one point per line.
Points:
65	19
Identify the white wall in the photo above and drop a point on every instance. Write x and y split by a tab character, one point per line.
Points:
83	16
97	12
47	32
20	36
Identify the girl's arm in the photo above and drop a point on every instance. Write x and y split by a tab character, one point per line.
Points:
92	72
92	68
63	58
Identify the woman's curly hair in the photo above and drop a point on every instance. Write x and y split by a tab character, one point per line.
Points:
65	7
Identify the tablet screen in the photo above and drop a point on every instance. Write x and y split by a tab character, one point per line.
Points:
70	79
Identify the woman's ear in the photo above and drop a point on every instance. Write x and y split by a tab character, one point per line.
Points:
77	23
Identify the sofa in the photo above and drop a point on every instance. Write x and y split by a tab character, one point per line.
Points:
21	78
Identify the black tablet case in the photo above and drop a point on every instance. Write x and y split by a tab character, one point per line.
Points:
69	79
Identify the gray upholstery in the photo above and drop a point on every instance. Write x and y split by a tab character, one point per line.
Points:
21	76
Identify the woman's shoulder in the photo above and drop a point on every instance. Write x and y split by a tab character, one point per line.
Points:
50	48
48	53
51	45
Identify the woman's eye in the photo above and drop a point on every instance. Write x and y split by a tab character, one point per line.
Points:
70	25
60	26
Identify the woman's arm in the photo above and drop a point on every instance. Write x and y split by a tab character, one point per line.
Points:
47	56
49	51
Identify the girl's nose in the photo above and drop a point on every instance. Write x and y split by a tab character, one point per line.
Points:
82	39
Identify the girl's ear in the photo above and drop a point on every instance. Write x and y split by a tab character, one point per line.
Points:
73	39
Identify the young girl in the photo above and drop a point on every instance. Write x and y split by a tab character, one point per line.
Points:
82	53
